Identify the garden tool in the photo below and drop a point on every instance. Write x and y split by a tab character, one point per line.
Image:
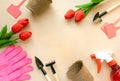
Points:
97	18
107	56
53	70
40	66
14	10
109	29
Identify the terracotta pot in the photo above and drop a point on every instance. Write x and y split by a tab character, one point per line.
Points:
79	72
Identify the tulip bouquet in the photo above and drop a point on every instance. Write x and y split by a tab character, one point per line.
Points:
6	37
82	10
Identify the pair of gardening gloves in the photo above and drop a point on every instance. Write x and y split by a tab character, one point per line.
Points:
14	64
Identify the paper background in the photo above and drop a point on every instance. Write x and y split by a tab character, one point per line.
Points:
55	38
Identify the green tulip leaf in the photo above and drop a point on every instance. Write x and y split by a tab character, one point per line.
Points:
8	35
3	42
3	31
7	42
88	10
84	5
96	1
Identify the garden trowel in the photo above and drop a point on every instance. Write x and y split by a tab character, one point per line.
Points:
97	18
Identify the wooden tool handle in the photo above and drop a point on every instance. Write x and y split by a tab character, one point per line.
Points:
48	78
115	6
56	77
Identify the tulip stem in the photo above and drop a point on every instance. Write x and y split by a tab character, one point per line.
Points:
17	39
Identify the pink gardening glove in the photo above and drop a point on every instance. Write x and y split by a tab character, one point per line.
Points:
14	64
7	55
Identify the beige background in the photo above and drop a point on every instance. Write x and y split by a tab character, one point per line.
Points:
54	38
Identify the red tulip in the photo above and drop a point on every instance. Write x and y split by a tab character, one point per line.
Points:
25	35
69	14
79	15
24	22
20	25
17	28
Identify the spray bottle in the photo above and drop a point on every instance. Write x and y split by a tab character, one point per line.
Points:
107	56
